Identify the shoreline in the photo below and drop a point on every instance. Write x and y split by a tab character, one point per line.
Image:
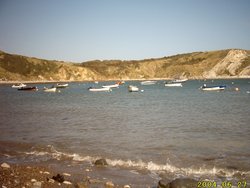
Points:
51	176
110	80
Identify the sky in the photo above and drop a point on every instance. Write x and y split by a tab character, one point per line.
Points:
83	30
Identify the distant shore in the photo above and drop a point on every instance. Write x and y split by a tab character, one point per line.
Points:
110	80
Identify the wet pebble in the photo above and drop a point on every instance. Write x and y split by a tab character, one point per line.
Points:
51	181
109	184
33	180
66	174
37	185
67	182
5	165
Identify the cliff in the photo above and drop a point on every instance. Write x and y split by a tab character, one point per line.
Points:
213	64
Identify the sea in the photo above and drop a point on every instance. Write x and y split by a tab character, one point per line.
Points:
158	132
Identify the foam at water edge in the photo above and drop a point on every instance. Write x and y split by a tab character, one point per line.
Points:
151	166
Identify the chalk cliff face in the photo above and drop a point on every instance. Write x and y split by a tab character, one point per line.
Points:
233	64
213	64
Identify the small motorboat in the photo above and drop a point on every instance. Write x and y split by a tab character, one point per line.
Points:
61	85
52	89
133	88
111	86
100	89
34	88
148	82
18	85
213	88
172	84
179	80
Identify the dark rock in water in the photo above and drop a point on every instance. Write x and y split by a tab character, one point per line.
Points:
101	162
163	184
59	178
178	183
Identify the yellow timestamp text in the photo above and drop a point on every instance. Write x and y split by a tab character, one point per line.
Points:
224	184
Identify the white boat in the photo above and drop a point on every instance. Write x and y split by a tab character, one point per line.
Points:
62	85
133	88
111	86
179	80
213	88
52	89
173	84
100	89
148	82
18	85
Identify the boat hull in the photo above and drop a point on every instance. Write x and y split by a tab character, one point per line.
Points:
50	89
62	85
149	82
133	89
216	88
100	89
173	84
28	89
179	80
18	86
111	86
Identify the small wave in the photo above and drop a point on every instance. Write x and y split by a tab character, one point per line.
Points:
53	153
141	165
154	167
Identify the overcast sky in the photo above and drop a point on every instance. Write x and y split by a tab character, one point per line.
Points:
81	30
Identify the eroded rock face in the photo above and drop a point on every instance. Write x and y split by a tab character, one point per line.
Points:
229	65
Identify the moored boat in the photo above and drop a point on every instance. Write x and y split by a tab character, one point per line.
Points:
179	80
62	85
18	85
111	86
133	88
52	89
171	84
213	88
148	82
99	89
34	88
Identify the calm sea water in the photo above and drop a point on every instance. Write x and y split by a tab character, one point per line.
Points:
179	132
